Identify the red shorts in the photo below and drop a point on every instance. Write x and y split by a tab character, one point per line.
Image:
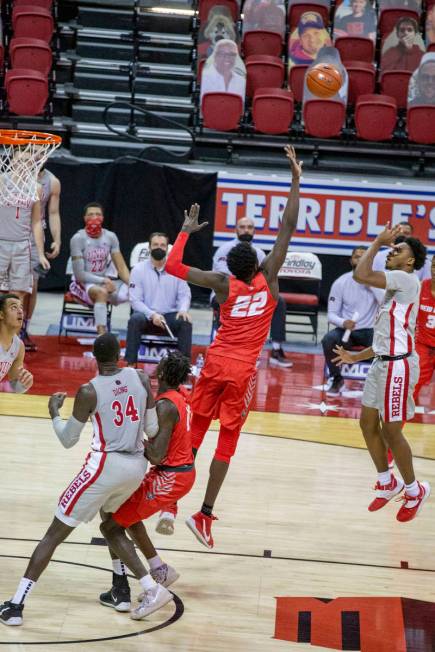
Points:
158	490
426	356
224	390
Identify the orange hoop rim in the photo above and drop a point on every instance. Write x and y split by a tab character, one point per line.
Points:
20	137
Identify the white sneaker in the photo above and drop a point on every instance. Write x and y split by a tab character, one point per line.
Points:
166	523
164	575
151	600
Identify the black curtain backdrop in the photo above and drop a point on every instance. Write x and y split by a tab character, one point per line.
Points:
138	198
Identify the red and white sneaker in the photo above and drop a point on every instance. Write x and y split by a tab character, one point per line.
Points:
200	524
413	504
384	493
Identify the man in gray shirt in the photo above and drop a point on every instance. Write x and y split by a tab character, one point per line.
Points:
157	298
346	298
245	230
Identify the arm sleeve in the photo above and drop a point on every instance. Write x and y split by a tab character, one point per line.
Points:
82	275
335	302
184	296
114	243
68	432
174	265
136	292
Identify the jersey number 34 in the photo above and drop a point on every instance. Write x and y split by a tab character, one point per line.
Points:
250	305
130	411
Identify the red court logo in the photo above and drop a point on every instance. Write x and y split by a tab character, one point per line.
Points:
364	624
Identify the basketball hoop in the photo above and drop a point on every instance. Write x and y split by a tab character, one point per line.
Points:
22	155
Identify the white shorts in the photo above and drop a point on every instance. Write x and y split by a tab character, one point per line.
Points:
15	266
105	481
115	298
389	388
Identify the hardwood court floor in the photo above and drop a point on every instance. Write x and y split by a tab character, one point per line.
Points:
293	521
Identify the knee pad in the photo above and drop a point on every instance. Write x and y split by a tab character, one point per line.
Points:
227	444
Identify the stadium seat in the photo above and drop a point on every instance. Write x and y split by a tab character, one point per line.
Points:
355	48
262	42
33	22
323	118
361	79
395	83
421	124
45	4
375	117
206	5
263	71
296	79
272	110
389	17
299	7
27	91
31	53
222	111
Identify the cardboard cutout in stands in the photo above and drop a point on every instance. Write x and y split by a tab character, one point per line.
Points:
219	25
430	25
421	89
412	5
268	15
330	55
307	39
224	71
404	47
359	21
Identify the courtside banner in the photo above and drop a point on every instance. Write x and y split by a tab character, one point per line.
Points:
334	215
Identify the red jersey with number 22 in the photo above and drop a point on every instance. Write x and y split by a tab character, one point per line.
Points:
426	315
245	320
179	450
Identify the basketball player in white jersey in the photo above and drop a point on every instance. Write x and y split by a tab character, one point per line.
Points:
11	347
389	386
121	407
95	252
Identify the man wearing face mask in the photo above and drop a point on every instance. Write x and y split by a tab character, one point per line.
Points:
157	298
245	230
96	258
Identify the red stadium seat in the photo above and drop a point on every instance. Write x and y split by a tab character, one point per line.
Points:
431	47
296	79
206	5
31	53
299	7
272	110
222	111
323	118
45	4
389	17
27	91
375	117
355	48
395	83
263	71
421	124
33	22
361	79
262	42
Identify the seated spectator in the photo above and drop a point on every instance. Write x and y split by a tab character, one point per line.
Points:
219	25
421	90
330	55
224	71
430	25
309	37
245	230
268	15
346	298
95	253
157	298
361	22
404	47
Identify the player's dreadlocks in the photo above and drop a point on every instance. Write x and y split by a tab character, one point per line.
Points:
174	368
419	251
242	261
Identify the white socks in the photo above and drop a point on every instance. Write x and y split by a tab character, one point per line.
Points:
276	346
412	489
155	562
23	590
119	568
100	314
147	582
384	478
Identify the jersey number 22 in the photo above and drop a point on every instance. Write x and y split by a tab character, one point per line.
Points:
249	305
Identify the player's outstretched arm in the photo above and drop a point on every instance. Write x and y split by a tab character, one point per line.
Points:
85	402
275	260
156	449
348	357
364	270
214	280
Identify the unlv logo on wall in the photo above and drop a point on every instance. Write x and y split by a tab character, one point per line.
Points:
365	624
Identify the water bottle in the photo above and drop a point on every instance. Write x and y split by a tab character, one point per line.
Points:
199	363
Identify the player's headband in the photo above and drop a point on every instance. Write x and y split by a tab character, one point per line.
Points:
94	227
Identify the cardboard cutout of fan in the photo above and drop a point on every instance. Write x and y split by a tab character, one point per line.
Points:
324	80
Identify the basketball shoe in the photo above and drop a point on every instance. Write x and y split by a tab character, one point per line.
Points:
151	600
413	504
166	523
200	524
11	614
164	575
384	493
119	596
278	359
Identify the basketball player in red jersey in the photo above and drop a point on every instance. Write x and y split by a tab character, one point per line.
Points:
247	299
425	334
169	480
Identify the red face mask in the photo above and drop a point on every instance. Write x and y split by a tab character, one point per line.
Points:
94	227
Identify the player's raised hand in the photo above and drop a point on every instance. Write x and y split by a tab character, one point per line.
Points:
190	224
343	356
388	235
25	378
295	165
55	403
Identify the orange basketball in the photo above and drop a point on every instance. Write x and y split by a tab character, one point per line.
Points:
324	80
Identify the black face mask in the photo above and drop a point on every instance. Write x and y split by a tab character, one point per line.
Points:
158	253
245	237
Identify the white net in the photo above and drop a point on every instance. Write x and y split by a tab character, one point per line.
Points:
22	155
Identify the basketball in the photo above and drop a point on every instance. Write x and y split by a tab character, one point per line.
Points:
324	80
